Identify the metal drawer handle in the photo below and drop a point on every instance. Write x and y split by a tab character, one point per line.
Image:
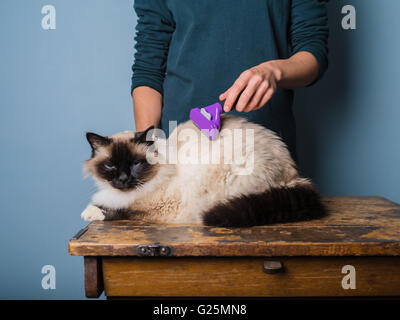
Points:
272	267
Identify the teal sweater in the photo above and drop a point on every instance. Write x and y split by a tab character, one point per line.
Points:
192	50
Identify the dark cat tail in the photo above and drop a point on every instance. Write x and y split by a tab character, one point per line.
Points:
277	205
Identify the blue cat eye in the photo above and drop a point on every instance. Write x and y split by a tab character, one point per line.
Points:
137	162
109	166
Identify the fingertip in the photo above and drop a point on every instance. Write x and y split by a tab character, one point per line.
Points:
239	109
239	106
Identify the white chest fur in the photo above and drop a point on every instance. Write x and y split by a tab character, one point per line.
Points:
113	199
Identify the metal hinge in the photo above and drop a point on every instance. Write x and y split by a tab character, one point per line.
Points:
155	250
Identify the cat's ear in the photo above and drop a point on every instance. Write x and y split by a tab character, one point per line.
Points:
96	141
140	137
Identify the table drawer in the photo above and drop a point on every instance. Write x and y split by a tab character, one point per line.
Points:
241	277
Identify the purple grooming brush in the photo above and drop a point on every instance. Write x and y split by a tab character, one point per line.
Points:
208	119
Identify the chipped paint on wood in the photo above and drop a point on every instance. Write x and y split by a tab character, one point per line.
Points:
355	226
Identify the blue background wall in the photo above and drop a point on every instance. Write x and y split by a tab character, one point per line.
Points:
57	84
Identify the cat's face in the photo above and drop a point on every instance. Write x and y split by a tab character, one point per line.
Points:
120	160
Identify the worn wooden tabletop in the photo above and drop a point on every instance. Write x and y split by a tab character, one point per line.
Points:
355	226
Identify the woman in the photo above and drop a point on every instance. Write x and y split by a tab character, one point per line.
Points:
190	53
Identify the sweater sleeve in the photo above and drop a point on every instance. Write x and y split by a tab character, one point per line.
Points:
153	34
309	30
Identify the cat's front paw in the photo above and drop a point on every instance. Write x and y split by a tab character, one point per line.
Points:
92	213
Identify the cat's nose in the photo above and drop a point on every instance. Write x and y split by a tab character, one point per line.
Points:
123	177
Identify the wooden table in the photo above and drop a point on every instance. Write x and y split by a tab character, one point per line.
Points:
354	251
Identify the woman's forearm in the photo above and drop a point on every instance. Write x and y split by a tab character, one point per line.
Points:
147	104
298	71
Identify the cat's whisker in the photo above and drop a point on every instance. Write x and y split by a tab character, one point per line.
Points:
93	191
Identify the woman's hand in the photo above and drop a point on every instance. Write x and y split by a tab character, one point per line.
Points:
258	85
260	82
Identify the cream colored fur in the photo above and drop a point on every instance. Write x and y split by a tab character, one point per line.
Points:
180	193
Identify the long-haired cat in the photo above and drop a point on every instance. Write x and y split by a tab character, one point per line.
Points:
136	179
